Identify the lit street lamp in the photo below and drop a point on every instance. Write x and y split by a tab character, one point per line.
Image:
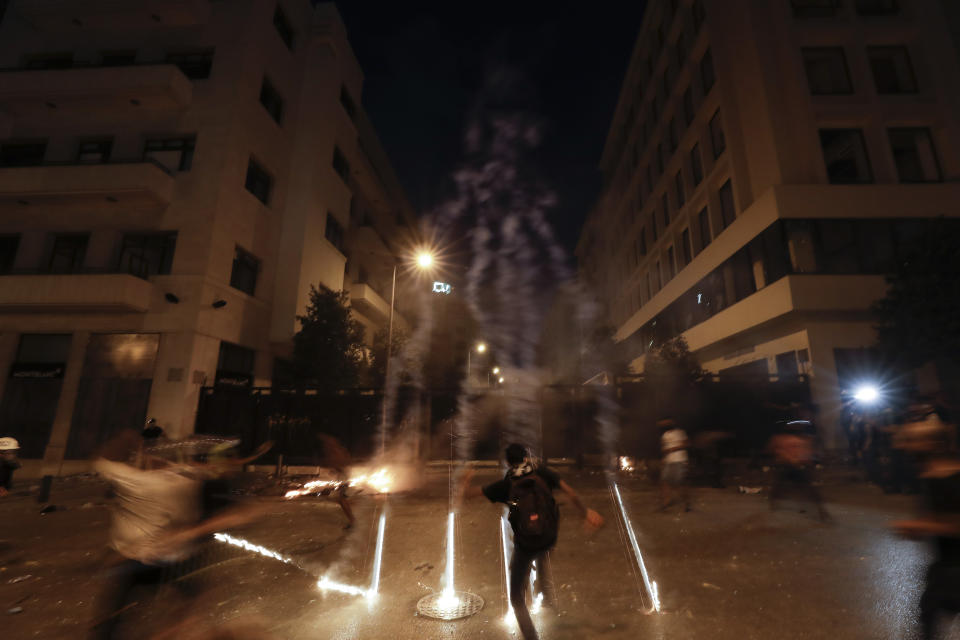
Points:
481	348
424	260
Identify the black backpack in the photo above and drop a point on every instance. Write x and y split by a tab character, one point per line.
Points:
533	513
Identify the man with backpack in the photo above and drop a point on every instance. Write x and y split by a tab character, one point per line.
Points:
527	490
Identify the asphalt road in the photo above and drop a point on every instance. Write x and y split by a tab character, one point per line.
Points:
728	569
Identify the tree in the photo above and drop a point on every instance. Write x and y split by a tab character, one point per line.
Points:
672	363
377	371
919	319
328	351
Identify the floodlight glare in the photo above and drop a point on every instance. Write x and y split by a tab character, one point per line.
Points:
481	347
866	394
496	370
424	260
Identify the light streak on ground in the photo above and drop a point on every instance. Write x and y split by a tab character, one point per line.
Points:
375	578
449	600
326	584
249	546
380	481
650	585
510	619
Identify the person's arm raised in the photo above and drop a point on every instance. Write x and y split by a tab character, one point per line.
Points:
592	519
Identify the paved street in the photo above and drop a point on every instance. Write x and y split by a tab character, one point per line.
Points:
729	569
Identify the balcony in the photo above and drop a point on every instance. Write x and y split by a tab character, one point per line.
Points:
126	90
138	183
79	293
69	15
368	302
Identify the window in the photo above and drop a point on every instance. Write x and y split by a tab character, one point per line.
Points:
827	72
703	222
271	101
94	151
681	194
282	25
845	155
688	111
147	254
696	165
235	365
50	61
659	160
665	208
686	251
8	251
118	58
657	275
258	182
173	154
892	71
246	268
717	138
340	164
914	155
728	212
706	72
670	270
649	178
699	14
653	225
347	102
642	242
194	64
681	51
815	8
836	246
69	250
22	154
672	135
877	7
334	232
654	111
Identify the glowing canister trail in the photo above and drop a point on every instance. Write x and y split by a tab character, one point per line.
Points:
509	618
651	586
375	579
330	585
448	587
249	546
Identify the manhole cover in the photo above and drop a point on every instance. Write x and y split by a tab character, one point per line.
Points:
449	606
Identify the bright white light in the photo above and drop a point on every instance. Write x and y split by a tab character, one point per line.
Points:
375	579
866	393
326	584
481	347
510	619
625	463
424	260
500	379
651	586
496	370
448	588
249	546
699	298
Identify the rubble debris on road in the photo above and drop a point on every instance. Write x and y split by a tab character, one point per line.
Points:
19	579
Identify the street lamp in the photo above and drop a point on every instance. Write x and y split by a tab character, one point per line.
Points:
481	347
424	260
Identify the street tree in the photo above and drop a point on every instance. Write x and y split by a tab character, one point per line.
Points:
328	351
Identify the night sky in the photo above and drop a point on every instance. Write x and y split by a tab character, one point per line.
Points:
426	66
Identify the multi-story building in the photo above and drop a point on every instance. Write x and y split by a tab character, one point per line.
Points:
174	176
767	162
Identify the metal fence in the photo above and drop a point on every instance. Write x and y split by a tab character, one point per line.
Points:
568	420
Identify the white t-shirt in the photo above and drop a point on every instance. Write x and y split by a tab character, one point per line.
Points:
670	439
150	505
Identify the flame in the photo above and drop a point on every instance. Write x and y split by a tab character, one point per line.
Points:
381	481
626	463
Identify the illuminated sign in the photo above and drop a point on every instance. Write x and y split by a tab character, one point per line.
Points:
442	287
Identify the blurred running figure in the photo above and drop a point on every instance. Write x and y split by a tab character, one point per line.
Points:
792	450
673	472
8	463
928	439
527	489
336	457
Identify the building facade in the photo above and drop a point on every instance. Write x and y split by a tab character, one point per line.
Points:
768	162
174	176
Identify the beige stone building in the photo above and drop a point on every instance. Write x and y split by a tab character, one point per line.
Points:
768	160
174	175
